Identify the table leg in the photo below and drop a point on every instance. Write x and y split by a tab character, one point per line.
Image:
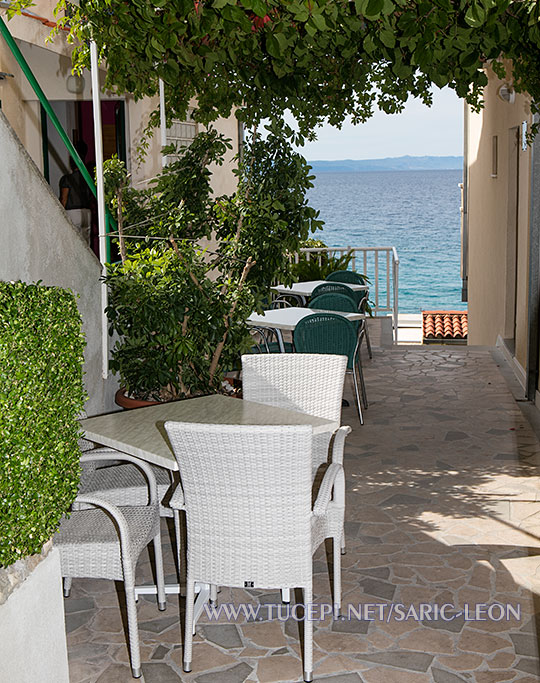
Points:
279	336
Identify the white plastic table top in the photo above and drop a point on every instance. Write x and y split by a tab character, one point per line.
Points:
306	288
288	318
141	432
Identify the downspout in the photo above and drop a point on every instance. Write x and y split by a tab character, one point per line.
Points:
162	121
464	208
102	211
533	301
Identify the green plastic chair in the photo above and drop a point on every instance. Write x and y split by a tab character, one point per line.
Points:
340	302
352	278
263	343
334	334
337	288
347	276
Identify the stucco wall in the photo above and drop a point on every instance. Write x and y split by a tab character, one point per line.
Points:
39	242
32	628
498	226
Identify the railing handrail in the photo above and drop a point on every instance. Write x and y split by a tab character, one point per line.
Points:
27	71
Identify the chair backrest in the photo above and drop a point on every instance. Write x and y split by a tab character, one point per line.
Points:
326	333
347	276
247	493
334	302
333	288
308	383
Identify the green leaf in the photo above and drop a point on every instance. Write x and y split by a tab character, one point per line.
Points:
475	15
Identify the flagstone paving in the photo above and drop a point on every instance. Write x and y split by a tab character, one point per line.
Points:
443	508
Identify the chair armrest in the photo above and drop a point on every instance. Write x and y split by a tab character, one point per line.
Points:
123	529
338	444
177	501
106	454
333	482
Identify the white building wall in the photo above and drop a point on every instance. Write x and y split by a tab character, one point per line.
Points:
39	242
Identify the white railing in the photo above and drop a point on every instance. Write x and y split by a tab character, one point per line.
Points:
380	265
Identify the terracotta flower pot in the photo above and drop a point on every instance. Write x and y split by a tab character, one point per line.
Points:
129	403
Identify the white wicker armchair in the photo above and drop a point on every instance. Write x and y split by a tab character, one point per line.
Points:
310	383
122	483
250	519
102	540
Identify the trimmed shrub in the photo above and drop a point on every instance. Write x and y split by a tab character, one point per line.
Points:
41	396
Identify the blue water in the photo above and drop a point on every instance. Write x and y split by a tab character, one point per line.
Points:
418	212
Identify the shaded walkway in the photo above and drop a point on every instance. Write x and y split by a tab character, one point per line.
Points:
443	509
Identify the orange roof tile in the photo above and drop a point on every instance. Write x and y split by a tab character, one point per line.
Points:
444	325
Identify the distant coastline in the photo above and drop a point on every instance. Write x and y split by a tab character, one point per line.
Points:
405	163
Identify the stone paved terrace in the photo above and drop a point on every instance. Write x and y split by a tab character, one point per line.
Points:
443	507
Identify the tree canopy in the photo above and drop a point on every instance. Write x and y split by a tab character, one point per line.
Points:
323	60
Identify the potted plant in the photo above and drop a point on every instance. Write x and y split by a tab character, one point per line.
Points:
41	396
179	309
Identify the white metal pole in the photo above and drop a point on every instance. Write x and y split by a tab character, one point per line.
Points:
162	120
98	142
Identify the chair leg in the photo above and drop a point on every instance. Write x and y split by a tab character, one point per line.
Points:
368	343
308	636
343	547
133	631
286	595
67	586
213	594
358	401
180	564
360	371
336	548
188	635
158	553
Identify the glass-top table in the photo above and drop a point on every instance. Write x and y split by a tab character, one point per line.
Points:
141	433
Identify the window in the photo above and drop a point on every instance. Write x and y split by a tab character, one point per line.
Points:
181	134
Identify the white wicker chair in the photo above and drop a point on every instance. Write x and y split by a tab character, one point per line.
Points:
310	383
250	520
101	540
124	483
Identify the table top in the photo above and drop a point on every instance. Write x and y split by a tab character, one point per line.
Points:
288	318
141	432
306	288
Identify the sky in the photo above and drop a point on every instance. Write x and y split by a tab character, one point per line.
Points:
417	131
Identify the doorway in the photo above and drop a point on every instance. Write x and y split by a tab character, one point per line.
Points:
77	119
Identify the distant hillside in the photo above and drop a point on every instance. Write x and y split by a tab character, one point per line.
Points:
406	163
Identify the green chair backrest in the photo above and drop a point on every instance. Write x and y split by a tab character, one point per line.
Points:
339	288
334	288
349	276
326	333
334	302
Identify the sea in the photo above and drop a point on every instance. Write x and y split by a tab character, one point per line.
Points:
418	212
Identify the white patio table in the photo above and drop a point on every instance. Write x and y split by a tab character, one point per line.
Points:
303	290
280	319
141	433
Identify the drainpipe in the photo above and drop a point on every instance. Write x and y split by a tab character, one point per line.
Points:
464	208
533	301
162	121
102	218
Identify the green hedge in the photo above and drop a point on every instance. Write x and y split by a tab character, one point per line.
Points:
41	395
